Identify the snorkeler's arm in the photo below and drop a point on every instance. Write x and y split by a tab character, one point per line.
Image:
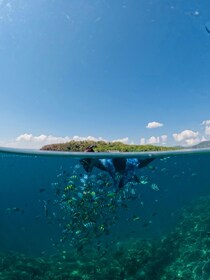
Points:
87	164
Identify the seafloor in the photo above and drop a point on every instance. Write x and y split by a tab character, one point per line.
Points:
183	254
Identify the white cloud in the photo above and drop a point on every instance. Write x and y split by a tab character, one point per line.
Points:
192	141
207	122
164	138
90	138
207	130
142	141
206	127
203	139
123	140
24	137
41	138
189	137
154	125
185	134
153	140
30	141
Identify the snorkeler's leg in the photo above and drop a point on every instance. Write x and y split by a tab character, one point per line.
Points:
144	162
119	164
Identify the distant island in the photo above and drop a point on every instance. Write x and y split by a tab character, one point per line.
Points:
102	146
202	145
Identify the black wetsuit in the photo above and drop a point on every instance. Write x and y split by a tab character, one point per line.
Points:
125	167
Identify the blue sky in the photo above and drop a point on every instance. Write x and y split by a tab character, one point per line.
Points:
134	70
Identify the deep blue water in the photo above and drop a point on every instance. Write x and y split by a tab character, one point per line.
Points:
26	194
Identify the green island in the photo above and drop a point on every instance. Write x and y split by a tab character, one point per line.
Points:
102	146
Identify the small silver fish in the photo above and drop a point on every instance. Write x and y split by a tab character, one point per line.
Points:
133	192
144	182
77	166
89	225
155	187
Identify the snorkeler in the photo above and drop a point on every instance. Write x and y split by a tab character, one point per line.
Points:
122	170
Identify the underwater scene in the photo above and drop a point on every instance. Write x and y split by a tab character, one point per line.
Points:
104	215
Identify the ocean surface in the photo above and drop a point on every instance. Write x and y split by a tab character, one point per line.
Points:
104	215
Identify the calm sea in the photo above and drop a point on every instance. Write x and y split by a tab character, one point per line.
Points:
49	206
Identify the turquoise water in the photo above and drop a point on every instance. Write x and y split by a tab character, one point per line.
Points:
60	222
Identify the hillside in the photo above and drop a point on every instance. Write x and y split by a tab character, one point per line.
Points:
101	146
204	144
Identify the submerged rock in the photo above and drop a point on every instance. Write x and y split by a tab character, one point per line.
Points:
192	241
